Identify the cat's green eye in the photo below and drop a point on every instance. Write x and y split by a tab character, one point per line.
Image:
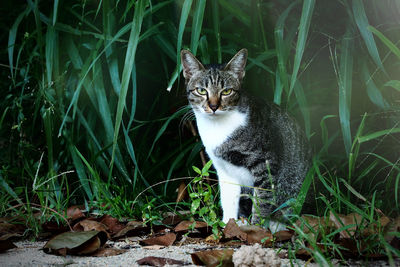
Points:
226	91
201	91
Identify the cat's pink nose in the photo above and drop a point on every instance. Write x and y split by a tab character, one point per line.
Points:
214	107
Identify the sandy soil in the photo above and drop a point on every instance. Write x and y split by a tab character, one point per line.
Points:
30	254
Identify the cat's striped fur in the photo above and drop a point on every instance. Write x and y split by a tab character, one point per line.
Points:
256	148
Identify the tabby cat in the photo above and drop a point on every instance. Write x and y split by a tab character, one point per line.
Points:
259	152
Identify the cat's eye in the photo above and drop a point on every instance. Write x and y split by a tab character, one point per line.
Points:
226	91
201	91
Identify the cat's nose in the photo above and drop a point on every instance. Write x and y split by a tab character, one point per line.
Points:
214	107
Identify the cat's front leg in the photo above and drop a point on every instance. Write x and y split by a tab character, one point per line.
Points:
230	195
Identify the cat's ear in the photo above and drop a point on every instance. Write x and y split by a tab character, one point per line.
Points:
190	64
238	64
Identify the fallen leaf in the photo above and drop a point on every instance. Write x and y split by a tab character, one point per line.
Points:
283	235
75	213
107	252
163	240
312	225
89	225
6	245
76	243
132	228
157	261
340	221
113	225
89	247
232	230
211	258
8	228
186	225
53	227
390	230
256	234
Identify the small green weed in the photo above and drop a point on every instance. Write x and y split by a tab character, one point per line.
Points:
204	200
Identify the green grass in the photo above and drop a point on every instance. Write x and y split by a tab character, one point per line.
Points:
86	117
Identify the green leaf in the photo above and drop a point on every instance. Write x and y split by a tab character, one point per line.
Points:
195	205
206	167
197	170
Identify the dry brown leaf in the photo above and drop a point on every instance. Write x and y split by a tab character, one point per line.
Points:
211	258
186	225
312	225
8	228
157	261
340	220
53	227
113	225
390	229
132	228
164	240
182	192
232	230
283	235
6	245
256	234
107	252
75	213
89	225
171	218
89	247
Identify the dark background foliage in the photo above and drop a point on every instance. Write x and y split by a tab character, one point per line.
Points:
69	87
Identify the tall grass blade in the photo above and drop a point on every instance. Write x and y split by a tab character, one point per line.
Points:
48	129
362	24
303	105
373	92
217	29
395	50
12	37
235	11
85	73
164	127
305	20
377	134
197	24
182	23
345	87
394	84
128	66
282	52
80	170
9	190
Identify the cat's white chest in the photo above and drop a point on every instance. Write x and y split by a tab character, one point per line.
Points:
216	129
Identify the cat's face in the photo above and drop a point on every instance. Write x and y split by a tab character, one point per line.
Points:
213	90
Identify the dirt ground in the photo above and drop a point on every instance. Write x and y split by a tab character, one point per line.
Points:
31	254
